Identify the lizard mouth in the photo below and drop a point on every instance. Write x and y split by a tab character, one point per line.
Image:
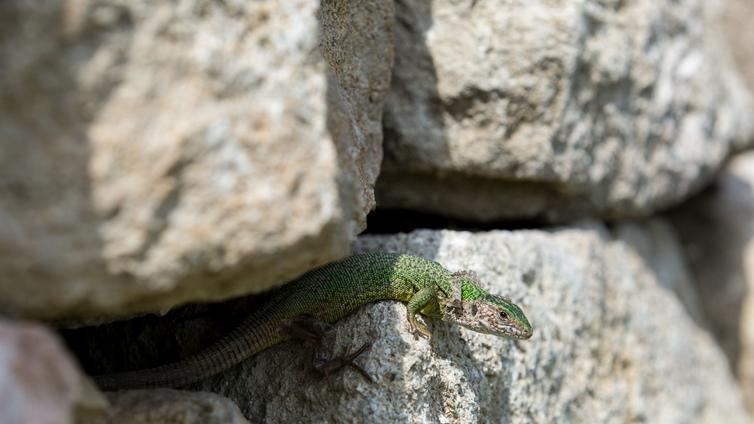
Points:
517	333
511	331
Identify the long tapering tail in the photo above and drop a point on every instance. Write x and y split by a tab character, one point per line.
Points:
252	336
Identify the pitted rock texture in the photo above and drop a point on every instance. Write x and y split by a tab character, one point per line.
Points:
160	153
552	110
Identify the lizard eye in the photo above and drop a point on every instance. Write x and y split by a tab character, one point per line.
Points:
503	315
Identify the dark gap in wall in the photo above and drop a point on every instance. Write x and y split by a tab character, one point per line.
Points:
152	340
391	221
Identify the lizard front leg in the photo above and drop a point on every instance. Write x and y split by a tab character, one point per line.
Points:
419	301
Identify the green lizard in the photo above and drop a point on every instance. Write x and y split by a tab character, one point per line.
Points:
330	293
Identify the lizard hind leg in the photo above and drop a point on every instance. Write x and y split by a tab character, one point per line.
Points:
317	333
307	328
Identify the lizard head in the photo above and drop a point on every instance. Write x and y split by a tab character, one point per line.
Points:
487	313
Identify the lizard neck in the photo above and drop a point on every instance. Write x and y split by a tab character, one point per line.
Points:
417	281
411	273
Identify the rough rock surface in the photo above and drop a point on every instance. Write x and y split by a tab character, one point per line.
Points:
736	20
611	344
39	382
553	109
656	241
171	406
717	229
155	152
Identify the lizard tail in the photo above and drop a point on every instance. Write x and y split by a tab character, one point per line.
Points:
247	339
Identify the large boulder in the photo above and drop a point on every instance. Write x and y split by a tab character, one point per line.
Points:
156	153
551	110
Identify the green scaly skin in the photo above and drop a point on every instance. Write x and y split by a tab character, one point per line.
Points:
330	293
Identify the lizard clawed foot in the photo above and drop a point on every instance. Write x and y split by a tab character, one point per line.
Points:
331	366
309	329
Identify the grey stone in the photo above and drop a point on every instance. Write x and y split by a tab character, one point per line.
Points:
611	344
171	406
659	246
557	109
39	382
161	153
736	17
717	229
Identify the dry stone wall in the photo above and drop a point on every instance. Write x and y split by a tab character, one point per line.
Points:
154	154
